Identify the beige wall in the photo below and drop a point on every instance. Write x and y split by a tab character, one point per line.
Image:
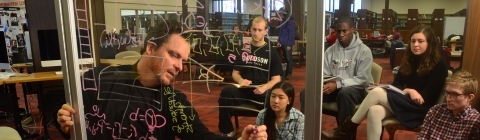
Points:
423	6
113	7
367	3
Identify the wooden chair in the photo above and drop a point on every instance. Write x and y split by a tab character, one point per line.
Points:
391	124
330	108
9	133
296	52
128	55
248	109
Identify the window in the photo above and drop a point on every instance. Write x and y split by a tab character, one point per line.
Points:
332	5
336	5
228	6
327	5
273	5
276	4
356	5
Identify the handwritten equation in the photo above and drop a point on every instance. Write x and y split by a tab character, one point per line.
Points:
98	123
176	109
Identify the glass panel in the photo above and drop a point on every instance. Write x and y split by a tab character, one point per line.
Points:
116	100
116	97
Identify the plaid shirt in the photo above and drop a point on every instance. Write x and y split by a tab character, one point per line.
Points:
440	123
292	127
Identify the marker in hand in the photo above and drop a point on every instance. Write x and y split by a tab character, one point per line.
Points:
255	130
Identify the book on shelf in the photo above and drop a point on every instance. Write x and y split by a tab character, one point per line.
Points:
387	87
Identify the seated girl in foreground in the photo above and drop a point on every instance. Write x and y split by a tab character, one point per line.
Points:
282	120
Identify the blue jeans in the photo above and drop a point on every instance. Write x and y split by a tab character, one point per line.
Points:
287	54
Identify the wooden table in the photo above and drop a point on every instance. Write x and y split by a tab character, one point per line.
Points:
22	65
34	77
112	62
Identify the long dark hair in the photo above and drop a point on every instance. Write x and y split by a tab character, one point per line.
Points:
428	59
270	116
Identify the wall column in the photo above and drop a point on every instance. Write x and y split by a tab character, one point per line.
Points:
471	47
345	7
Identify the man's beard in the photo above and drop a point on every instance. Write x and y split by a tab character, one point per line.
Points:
158	76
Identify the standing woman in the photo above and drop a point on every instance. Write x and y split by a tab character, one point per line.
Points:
421	77
282	120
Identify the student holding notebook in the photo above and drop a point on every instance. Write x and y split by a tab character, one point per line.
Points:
259	66
422	75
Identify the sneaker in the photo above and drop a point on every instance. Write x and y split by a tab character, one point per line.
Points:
288	77
231	134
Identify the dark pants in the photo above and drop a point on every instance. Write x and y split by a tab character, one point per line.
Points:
287	54
394	45
233	96
346	98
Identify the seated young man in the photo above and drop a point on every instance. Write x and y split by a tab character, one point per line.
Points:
260	65
455	119
352	60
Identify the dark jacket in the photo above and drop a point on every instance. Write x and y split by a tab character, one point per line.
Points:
287	32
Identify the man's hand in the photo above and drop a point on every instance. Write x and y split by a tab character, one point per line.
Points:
245	82
260	90
279	45
289	48
414	95
64	119
254	133
329	87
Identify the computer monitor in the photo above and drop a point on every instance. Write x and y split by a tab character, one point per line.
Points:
50	49
4	62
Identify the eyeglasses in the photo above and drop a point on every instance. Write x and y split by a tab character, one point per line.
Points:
452	95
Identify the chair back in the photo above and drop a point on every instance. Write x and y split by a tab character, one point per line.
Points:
128	55
376	72
442	98
445	55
